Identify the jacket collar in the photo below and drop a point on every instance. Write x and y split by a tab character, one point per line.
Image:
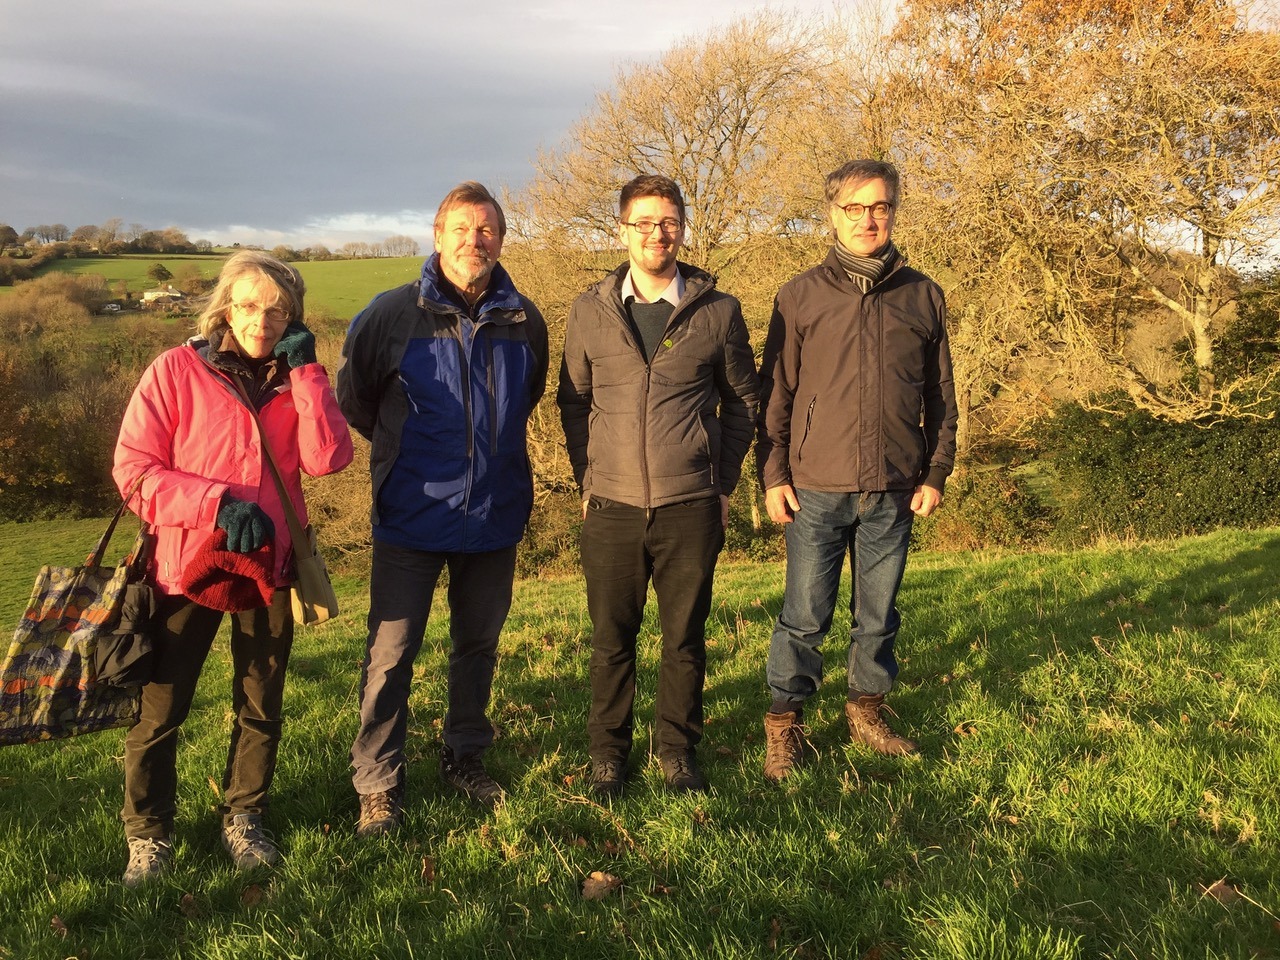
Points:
501	302
696	281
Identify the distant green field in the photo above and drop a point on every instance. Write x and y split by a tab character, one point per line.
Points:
343	287
133	268
339	287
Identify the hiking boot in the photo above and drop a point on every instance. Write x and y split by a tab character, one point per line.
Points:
681	773
866	725
468	775
607	777
248	843
381	812
148	859
783	744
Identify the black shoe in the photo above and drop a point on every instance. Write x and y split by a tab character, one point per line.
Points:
468	775
607	777
381	812
681	773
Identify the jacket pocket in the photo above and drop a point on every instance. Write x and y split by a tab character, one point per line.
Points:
808	424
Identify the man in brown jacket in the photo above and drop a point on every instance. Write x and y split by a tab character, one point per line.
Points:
857	436
658	396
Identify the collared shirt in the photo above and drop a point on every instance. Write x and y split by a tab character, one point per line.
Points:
673	293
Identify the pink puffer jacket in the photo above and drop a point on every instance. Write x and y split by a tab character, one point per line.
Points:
191	435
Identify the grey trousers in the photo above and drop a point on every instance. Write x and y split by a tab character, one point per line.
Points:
401	587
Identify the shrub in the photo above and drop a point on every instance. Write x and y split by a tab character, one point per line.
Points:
989	505
1134	475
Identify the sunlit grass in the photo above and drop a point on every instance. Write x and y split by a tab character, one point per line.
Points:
1101	738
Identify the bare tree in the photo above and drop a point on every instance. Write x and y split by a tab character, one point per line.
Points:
703	115
1070	171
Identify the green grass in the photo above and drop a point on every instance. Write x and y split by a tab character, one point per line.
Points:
339	287
1101	744
343	287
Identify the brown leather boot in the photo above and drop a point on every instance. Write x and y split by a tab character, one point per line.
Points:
866	725
783	744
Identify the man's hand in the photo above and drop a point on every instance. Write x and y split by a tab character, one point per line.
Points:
585	501
724	512
781	503
925	500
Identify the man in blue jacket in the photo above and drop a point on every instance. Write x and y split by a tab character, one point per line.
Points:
441	376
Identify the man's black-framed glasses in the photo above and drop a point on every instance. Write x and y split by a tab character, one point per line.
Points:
645	227
880	210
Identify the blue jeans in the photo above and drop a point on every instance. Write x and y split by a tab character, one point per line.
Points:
875	530
401	586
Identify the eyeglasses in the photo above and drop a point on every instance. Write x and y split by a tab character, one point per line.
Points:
856	211
251	309
645	227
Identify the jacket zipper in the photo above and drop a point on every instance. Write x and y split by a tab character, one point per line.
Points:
808	422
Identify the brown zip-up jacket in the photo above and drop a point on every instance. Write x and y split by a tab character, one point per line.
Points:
857	388
669	430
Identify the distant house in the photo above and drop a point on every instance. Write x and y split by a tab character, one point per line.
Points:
163	296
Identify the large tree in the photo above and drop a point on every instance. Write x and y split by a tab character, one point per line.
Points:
1077	166
710	113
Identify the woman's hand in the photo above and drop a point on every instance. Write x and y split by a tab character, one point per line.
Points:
248	528
297	347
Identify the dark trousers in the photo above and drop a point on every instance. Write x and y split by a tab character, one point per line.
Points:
184	632
623	547
401	586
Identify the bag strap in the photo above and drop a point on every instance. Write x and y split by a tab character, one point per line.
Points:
95	558
296	532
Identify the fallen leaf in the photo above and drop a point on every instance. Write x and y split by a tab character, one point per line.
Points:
428	873
58	927
775	931
325	830
662	890
578	842
965	728
568	780
190	909
213	785
724	751
1222	891
599	885
611	848
252	896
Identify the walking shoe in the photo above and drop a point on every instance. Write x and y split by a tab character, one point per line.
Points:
607	777
866	725
248	843
148	859
468	775
381	812
681	773
783	744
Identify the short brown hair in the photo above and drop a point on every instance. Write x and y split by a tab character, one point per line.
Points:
469	193
650	185
288	282
857	172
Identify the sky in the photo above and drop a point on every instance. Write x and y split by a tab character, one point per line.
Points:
284	121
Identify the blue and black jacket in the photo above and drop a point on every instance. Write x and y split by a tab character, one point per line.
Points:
444	395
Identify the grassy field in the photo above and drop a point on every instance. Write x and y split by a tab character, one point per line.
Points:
1100	771
338	287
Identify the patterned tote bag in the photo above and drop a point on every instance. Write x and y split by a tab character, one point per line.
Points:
49	686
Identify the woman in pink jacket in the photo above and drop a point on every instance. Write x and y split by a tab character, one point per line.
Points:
222	543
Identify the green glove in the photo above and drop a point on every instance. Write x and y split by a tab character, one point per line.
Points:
248	528
297	346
